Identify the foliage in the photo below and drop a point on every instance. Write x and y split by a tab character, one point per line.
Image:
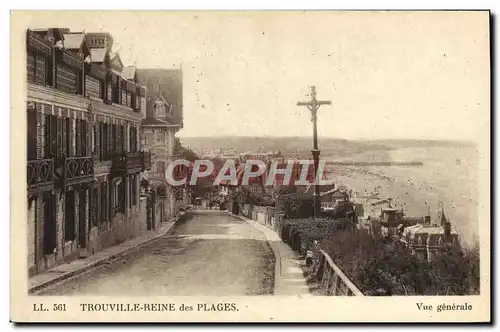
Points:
262	199
294	206
384	266
301	233
183	152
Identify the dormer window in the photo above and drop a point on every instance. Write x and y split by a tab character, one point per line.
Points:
161	110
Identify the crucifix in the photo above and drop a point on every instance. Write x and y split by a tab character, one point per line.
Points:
313	105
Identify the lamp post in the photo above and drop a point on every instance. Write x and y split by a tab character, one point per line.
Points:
313	105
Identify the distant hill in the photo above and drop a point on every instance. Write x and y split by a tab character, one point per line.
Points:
301	146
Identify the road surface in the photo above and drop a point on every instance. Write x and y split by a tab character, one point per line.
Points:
210	253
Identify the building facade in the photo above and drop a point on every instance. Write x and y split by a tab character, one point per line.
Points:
163	118
83	149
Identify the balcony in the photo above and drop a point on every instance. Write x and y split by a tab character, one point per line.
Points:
146	160
40	176
127	163
78	170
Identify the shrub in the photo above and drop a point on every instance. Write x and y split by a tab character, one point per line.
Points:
295	207
300	234
381	266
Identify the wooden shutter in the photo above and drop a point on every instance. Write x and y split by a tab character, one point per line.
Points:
121	193
113	138
99	204
93	207
40	69
60	137
84	138
31	64
118	140
104	194
46	134
108	145
78	138
92	87
97	140
54	135
32	134
123	139
65	136
129	179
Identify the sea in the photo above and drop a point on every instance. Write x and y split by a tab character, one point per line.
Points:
447	178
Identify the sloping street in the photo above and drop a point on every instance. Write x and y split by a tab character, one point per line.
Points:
210	253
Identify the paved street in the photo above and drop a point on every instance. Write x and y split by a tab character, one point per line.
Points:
210	253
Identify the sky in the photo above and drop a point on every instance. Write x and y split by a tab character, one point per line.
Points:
387	74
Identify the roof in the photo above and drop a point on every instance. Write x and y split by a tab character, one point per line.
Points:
170	84
420	229
98	54
116	60
73	41
128	73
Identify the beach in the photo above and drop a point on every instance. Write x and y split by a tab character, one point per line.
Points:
447	175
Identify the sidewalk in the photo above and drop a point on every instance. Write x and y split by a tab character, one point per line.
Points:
288	276
68	270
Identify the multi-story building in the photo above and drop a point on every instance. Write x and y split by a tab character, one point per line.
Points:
425	240
83	158
163	119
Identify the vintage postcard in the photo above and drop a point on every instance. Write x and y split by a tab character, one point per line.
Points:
250	166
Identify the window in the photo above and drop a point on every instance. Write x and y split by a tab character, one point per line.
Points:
160	138
160	167
160	109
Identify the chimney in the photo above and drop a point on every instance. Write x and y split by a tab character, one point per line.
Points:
427	220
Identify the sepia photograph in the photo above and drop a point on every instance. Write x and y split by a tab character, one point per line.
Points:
244	160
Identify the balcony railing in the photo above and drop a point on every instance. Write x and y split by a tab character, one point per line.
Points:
40	175
146	160
127	163
78	170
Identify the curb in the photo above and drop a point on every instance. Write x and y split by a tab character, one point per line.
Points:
277	255
98	263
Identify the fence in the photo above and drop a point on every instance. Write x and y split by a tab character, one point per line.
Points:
332	280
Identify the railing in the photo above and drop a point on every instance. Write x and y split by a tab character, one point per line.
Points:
40	174
127	163
78	170
332	280
146	160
